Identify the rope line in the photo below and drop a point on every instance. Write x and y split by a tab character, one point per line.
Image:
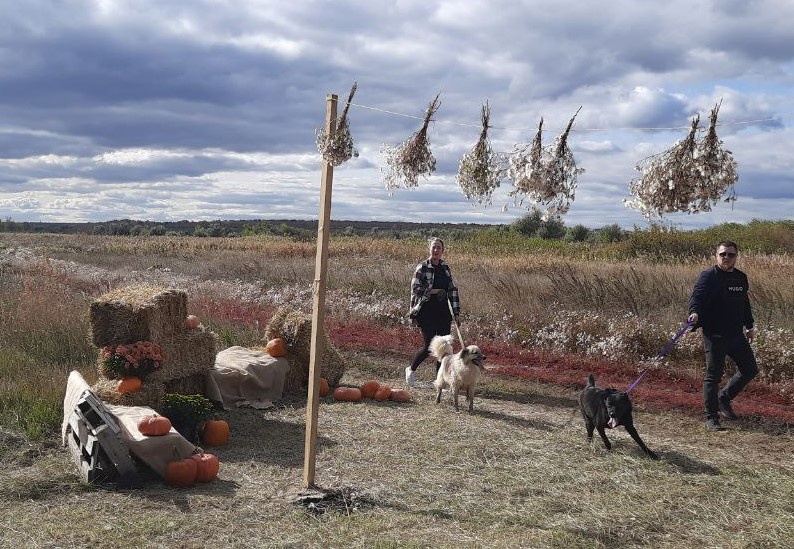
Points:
502	128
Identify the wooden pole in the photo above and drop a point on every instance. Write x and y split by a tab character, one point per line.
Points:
318	307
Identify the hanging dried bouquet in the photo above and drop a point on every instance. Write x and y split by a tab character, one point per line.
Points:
337	148
481	170
412	159
689	177
545	178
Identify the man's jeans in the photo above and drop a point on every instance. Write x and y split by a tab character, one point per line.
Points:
717	348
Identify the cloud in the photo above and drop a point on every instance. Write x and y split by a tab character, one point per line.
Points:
206	110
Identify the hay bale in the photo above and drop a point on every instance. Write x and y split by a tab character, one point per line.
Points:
150	394
138	313
295	328
185	354
194	384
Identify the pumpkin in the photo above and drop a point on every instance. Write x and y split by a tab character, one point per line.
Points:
215	432
383	393
192	322
128	384
207	466
324	387
276	347
400	395
153	425
347	394
181	472
369	388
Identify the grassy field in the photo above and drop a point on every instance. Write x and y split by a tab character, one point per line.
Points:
518	472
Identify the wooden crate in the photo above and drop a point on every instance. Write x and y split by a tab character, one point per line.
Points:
96	445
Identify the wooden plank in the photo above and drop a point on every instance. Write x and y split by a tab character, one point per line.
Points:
318	306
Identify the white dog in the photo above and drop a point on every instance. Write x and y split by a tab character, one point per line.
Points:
460	372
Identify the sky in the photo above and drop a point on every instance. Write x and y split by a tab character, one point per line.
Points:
170	110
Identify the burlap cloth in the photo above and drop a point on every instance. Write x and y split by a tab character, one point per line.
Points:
247	377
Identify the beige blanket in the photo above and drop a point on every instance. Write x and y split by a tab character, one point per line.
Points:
247	377
155	452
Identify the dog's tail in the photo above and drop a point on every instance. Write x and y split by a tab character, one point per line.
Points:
591	381
441	346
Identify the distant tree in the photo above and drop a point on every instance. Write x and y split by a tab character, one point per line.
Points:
551	229
529	223
611	233
577	233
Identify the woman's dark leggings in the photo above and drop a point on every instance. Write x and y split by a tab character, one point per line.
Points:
430	328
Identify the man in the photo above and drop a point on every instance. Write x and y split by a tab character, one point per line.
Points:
720	305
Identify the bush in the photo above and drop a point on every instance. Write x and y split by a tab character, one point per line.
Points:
577	233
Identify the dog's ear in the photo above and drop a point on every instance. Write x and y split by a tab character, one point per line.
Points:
464	352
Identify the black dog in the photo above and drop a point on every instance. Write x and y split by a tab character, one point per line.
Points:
606	409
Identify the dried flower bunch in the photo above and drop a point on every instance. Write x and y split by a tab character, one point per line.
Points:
137	359
480	170
545	177
337	148
689	177
411	159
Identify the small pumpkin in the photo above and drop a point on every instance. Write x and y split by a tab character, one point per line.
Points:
383	393
215	432
347	394
128	384
192	322
400	395
325	389
207	466
154	425
181	472
369	388
276	347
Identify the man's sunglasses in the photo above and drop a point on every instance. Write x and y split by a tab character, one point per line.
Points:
727	254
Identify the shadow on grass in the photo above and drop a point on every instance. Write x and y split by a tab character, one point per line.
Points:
688	465
517	421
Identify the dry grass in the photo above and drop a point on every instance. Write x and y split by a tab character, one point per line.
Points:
518	472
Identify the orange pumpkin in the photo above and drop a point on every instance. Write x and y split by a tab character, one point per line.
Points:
207	466
324	387
347	394
383	393
215	432
192	322
400	395
128	384
180	472
153	425
369	388
276	347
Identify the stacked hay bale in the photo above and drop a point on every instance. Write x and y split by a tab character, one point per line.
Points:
147	313
295	328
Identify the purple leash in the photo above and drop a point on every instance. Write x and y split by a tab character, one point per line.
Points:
664	351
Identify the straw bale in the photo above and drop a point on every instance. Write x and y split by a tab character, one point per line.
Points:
150	394
194	384
138	313
295	328
185	354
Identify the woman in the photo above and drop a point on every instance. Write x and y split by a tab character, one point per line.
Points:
433	294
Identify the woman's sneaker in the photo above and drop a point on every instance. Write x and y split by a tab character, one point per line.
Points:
725	407
410	377
713	424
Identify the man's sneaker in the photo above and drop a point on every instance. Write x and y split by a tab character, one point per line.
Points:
410	377
713	424
725	407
